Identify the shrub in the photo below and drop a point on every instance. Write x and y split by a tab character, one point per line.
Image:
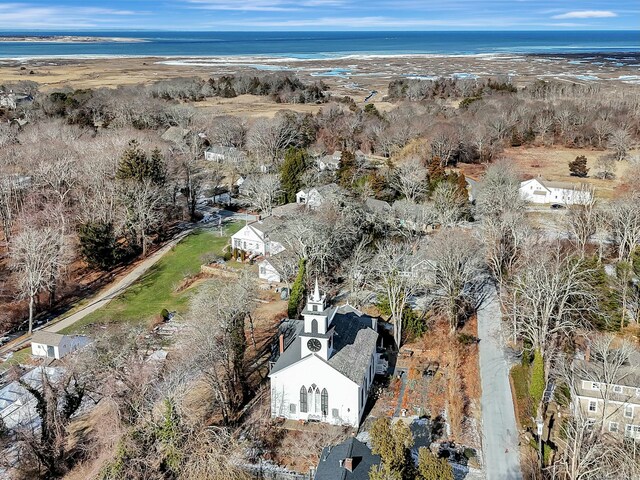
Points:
164	314
578	167
414	324
227	256
431	467
466	339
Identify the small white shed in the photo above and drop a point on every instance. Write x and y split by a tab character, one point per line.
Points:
56	345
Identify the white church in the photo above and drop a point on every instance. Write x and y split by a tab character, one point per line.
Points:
325	364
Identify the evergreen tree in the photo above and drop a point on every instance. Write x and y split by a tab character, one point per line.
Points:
436	172
431	467
393	444
136	165
293	168
98	245
346	169
578	167
297	291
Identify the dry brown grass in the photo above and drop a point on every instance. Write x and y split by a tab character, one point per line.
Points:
455	389
552	164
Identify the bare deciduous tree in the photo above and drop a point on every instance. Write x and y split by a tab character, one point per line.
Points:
588	454
505	231
262	192
583	219
455	274
410	179
620	142
551	296
623	223
269	138
448	204
11	199
216	339
142	201
36	257
393	277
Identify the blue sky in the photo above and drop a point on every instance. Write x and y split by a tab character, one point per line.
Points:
216	15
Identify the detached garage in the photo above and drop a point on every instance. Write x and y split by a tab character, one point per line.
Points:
56	345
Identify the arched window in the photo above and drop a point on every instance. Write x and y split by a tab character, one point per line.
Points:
314	326
325	402
317	400
303	400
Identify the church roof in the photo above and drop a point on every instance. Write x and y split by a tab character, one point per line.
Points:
331	466
353	342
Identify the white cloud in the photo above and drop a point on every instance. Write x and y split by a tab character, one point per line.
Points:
264	5
22	15
365	22
586	14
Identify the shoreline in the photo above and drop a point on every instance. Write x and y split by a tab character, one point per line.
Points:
319	57
346	75
70	39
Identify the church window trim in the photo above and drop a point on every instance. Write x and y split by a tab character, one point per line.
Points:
316	400
303	400
325	402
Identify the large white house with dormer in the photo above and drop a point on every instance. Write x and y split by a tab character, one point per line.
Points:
325	364
259	237
539	190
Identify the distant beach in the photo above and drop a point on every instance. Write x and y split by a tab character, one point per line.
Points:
312	45
65	39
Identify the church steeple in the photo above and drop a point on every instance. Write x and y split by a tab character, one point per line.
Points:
318	335
316	302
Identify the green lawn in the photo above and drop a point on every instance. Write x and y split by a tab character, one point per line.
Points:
156	289
19	357
520	381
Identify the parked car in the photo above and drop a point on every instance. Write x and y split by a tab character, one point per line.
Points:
557	206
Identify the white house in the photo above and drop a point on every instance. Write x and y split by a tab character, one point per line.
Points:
325	364
266	271
259	237
539	190
330	162
315	197
56	345
217	153
11	100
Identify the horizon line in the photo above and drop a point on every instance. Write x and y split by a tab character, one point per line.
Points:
356	30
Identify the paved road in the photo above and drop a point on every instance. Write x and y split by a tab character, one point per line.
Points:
103	297
106	295
500	435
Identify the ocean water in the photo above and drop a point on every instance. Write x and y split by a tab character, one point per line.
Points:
311	45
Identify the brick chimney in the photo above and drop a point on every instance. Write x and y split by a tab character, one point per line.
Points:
348	464
281	342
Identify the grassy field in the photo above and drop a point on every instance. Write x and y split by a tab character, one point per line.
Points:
552	164
159	287
18	358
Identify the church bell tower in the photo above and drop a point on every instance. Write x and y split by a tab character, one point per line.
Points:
317	336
